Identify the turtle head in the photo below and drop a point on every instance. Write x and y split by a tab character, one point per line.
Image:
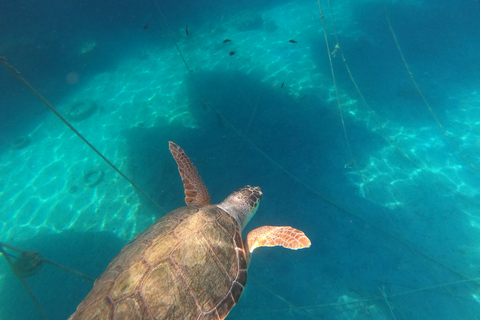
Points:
242	204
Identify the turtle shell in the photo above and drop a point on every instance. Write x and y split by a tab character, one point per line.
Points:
191	264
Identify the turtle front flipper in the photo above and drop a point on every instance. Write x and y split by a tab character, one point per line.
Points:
269	236
196	193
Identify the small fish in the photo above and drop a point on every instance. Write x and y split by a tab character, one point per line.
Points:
292	41
282	84
232	53
186	30
145	27
226	40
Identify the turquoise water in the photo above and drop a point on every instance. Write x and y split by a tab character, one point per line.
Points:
386	185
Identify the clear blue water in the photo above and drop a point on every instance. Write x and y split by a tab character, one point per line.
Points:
389	195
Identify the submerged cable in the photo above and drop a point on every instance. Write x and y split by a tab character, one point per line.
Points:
398	237
337	95
36	93
173	40
419	91
24	284
82	275
338	49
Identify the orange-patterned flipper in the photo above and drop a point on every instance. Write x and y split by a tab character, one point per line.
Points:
196	193
268	236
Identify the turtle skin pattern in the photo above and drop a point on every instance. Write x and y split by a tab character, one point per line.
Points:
191	264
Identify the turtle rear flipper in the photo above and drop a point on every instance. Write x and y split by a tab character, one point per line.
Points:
270	236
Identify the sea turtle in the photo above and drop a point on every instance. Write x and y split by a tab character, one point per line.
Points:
190	264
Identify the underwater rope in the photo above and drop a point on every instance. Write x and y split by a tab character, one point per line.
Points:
419	91
174	41
337	95
19	76
398	237
338	49
24	284
82	275
383	296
